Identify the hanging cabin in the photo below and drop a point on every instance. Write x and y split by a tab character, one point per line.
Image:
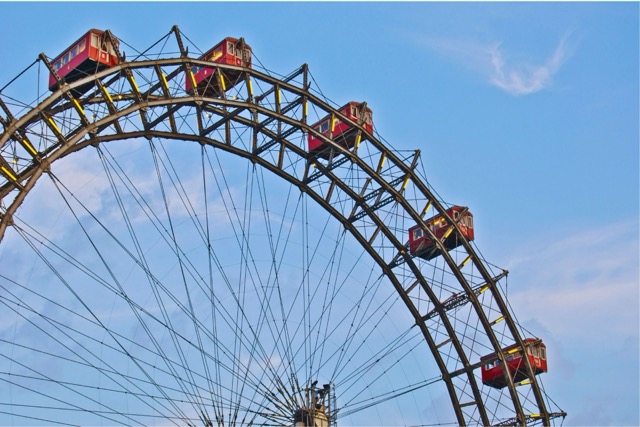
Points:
90	54
492	369
229	51
341	132
421	245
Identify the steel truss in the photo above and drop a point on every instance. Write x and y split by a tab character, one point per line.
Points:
146	98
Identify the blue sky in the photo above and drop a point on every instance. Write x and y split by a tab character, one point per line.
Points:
525	112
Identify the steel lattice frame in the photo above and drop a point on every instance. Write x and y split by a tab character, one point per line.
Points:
145	98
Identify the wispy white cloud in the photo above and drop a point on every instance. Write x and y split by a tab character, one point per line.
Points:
581	285
524	78
515	74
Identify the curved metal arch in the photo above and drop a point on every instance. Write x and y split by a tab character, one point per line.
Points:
53	106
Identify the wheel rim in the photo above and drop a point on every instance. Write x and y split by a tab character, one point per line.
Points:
372	193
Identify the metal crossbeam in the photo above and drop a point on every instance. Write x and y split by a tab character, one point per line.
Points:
380	203
458	300
330	167
285	110
385	194
279	138
372	208
530	418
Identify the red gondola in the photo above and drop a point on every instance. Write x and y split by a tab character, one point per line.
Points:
421	245
341	132
492	371
229	51
90	54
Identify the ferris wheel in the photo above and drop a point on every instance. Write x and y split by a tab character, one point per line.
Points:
192	239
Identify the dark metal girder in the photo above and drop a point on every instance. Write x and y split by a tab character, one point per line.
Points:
285	110
379	191
110	105
379	202
8	172
67	93
330	167
287	79
167	94
374	176
531	418
372	208
278	139
466	370
311	192
458	300
459	350
405	297
7	112
19	134
225	119
167	114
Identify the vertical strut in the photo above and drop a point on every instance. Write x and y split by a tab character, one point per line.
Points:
183	53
